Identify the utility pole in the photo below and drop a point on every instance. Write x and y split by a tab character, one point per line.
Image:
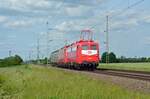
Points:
38	50
47	40
66	42
9	53
107	39
107	25
29	57
128	3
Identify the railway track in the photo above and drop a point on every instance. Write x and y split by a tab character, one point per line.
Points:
140	75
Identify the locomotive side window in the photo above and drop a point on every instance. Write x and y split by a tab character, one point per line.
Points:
93	47
74	48
85	47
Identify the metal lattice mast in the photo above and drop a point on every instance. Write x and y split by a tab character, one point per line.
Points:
107	39
47	40
38	50
9	53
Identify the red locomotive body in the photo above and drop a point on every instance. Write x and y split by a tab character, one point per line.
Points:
82	54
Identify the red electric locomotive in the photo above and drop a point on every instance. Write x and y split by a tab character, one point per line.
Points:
83	54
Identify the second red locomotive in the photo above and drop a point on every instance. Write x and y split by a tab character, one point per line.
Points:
83	54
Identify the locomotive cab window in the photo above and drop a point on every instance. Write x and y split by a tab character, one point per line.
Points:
85	47
93	47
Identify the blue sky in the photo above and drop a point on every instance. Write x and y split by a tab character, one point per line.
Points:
22	22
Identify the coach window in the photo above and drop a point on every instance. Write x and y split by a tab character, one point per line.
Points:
74	48
70	49
84	47
93	47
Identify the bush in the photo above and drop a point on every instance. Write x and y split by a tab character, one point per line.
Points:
123	59
9	61
112	57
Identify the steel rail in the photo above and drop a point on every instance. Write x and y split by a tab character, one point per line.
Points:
140	75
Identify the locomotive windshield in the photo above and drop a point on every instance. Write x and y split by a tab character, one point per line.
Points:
93	47
85	47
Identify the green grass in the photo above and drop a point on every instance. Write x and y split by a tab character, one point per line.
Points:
33	82
127	66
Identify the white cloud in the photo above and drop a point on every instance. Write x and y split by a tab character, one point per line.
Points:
7	45
52	7
64	26
2	44
27	5
147	40
42	34
129	19
81	2
11	22
3	19
78	11
67	26
12	37
147	19
124	24
18	23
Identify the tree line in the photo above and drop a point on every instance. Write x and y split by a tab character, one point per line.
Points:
122	59
17	60
11	61
112	59
37	61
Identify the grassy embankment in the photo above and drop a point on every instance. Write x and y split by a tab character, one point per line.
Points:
33	82
127	66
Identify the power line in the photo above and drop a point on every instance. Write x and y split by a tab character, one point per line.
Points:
122	11
107	26
127	8
135	4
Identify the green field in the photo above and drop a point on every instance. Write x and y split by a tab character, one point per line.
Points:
34	82
127	66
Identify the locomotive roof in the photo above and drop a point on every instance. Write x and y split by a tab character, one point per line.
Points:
80	41
84	41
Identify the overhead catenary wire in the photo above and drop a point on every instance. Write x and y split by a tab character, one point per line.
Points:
114	14
107	26
108	16
126	9
47	33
